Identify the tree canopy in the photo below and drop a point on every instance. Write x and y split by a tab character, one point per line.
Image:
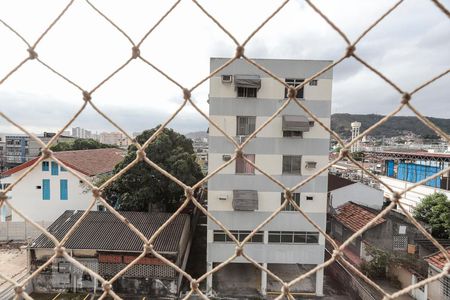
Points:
434	210
143	188
80	144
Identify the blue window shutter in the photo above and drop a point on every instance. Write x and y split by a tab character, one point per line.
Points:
45	166
45	189
63	189
54	168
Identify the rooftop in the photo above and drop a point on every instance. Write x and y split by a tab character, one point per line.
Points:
89	162
102	230
438	259
336	182
354	216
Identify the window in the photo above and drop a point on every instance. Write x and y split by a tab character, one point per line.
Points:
45	189
246	92
338	229
63	189
293	237
292	164
400	242
309	198
290	133
446	287
313	82
289	206
294	82
220	236
45	166
245	125
243	167
54	168
63	169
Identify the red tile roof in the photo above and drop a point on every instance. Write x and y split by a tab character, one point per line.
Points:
89	162
355	217
438	259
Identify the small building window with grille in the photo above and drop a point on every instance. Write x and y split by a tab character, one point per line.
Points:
246	92
245	125
289	206
294	82
293	237
400	242
292	164
445	284
313	82
243	167
245	200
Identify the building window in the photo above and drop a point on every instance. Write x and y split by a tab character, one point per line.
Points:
63	169
446	287
294	83
245	125
292	164
240	235
246	92
400	242
338	229
243	167
293	237
313	82
289	206
54	168
63	189
309	198
45	189
45	166
290	133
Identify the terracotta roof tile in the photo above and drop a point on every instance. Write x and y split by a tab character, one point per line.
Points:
438	259
89	162
354	216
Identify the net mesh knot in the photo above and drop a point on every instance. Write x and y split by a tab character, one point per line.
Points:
86	96
239	51
135	52
18	290
292	92
405	98
32	54
350	51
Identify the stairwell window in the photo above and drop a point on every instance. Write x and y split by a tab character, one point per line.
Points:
293	237
292	164
294	82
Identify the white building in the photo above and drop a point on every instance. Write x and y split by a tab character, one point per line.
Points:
290	148
49	189
114	138
81	133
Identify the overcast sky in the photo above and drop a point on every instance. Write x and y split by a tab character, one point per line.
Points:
410	46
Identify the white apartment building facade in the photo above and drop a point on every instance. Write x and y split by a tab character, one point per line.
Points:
291	148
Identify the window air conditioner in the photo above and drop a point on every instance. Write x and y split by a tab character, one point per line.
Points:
227	78
223	197
226	157
310	164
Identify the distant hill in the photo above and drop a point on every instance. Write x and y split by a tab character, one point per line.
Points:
196	135
395	126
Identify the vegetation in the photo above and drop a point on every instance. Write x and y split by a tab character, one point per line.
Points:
394	126
80	144
143	188
435	210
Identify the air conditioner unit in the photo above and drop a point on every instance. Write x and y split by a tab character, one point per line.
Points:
310	164
227	78
223	197
226	157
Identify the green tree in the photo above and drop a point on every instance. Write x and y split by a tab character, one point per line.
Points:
144	188
434	210
80	144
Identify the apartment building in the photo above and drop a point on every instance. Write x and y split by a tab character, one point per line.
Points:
291	148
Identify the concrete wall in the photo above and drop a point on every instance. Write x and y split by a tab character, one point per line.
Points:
20	231
413	197
27	198
435	287
357	193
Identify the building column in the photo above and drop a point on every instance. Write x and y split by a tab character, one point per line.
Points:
209	267
319	283
264	280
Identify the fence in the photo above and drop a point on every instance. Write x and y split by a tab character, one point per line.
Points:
88	96
20	231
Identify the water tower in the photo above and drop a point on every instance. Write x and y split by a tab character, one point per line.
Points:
355	132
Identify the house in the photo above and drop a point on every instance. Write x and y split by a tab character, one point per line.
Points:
290	148
342	190
106	245
49	189
438	289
